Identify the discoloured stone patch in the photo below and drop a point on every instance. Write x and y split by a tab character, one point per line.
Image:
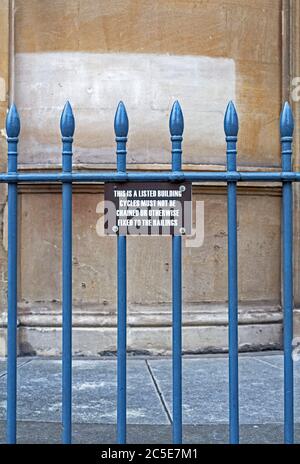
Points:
148	84
94	393
205	389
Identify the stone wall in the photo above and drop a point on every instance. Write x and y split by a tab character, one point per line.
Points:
149	53
4	92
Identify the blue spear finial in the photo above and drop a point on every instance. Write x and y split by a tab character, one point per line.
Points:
13	124
286	121
121	121
176	122
231	121
67	121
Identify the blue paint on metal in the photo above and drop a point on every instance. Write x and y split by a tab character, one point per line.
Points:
231	128
157	176
13	124
231	122
286	121
176	125
12	131
176	121
231	176
67	121
121	124
286	133
121	131
67	127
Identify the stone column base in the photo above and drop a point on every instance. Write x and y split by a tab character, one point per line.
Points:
149	331
297	322
3	336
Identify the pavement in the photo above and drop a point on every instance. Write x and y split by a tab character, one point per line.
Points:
149	399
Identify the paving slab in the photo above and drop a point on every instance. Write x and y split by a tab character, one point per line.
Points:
3	364
205	390
205	384
2	367
94	392
277	362
50	433
205	400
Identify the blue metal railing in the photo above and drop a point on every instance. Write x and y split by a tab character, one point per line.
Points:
121	131
67	125
13	130
231	177
286	130
176	130
231	127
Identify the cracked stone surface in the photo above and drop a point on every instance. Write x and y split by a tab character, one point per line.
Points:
205	389
149	399
94	392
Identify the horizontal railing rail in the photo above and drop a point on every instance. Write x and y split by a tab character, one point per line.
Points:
231	176
224	176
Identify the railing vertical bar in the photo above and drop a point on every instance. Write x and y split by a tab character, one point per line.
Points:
67	131
286	129
121	340
177	338
12	130
231	131
176	130
121	132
